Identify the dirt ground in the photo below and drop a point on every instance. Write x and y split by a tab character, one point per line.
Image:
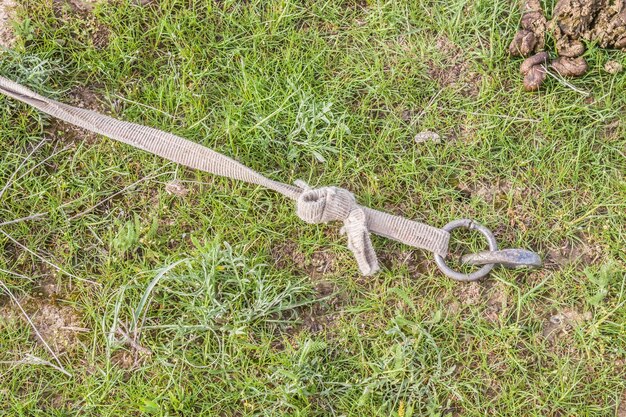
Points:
7	37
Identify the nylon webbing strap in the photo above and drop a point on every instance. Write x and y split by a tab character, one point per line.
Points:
319	205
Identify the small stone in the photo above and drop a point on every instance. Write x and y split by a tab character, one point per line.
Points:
427	136
176	188
613	67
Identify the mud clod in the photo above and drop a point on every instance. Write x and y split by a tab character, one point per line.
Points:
534	78
538	59
570	67
524	43
573	23
562	323
533	70
613	67
176	188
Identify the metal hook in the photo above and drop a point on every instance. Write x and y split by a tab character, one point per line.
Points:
508	258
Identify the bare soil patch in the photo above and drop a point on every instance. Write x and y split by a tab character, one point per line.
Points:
86	98
491	295
318	265
414	261
621	410
570	252
58	325
67	133
321	315
469	294
491	192
124	359
81	12
7	36
455	69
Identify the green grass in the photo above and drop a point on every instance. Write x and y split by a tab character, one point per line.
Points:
244	309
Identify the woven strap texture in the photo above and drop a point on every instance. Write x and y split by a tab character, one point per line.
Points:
317	205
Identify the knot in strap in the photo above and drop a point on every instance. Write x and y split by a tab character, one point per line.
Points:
321	205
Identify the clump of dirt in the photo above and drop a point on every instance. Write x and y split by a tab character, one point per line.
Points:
562	323
573	23
176	188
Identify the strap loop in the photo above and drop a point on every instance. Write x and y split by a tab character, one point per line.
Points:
360	243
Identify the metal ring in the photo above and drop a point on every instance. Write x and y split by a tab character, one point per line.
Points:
491	240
